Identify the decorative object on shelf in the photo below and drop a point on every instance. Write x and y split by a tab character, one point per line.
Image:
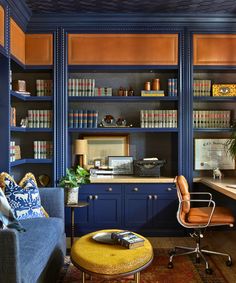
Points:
44	180
17	152
19	85
217	173
147	86
102	146
110	122
122	165
155	84
224	89
147	93
130	92
97	163
212	153
24	122
148	167
81	149
71	182
121	91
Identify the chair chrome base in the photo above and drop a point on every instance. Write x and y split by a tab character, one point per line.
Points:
199	254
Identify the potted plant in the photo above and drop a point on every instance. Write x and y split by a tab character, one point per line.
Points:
74	178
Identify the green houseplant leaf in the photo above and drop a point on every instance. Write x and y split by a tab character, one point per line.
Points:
74	178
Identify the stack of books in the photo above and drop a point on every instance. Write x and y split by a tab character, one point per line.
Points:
43	149
39	118
43	87
78	118
127	239
13	117
172	87
159	118
211	118
201	87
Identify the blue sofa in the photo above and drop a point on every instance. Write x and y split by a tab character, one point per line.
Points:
37	254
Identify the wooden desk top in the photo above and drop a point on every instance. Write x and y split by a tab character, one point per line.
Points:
130	179
220	186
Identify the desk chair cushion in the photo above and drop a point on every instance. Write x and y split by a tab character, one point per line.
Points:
200	215
182	185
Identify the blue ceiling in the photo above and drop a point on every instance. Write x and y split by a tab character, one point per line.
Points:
133	6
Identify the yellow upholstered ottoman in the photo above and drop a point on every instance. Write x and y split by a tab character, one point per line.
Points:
109	261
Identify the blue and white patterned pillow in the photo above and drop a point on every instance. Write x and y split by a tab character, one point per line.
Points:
7	219
25	202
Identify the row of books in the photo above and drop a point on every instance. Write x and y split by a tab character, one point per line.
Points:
13	117
201	87
172	87
159	118
79	118
44	87
211	118
12	151
81	87
127	239
39	118
43	149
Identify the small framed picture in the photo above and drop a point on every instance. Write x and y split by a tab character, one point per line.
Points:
122	165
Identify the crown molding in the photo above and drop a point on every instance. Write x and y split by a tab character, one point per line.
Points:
93	22
20	12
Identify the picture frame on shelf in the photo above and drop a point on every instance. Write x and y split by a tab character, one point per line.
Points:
122	165
212	153
102	146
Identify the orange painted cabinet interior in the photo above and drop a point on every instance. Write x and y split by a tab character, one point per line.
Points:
123	49
214	49
39	49
17	41
2	26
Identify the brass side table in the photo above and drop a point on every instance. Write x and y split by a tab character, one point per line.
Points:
72	214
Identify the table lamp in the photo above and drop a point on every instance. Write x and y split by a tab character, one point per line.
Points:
81	148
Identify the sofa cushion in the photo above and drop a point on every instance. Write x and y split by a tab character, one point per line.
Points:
25	202
37	244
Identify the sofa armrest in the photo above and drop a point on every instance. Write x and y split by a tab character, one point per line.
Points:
52	200
9	256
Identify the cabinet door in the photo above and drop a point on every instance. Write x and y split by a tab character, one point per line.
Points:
164	211
123	49
17	41
2	26
106	211
214	49
39	49
138	211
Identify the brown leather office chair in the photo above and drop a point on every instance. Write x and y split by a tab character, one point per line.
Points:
199	218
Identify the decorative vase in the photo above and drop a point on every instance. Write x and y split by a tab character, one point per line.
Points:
72	195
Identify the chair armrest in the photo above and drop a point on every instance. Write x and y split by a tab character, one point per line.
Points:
52	200
9	256
202	193
212	211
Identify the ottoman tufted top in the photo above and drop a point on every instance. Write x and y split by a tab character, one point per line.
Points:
109	259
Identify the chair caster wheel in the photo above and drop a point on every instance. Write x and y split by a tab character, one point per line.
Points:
229	262
172	252
208	271
170	265
197	259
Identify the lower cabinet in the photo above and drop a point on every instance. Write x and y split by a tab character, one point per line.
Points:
151	208
146	208
104	209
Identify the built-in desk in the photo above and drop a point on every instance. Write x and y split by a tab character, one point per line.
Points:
220	186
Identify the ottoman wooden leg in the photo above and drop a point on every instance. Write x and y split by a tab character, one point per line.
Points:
137	277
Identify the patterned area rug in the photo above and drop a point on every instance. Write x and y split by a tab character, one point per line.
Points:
185	271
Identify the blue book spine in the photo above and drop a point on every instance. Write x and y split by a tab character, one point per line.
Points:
80	118
70	118
95	119
85	119
76	118
89	118
175	87
169	87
